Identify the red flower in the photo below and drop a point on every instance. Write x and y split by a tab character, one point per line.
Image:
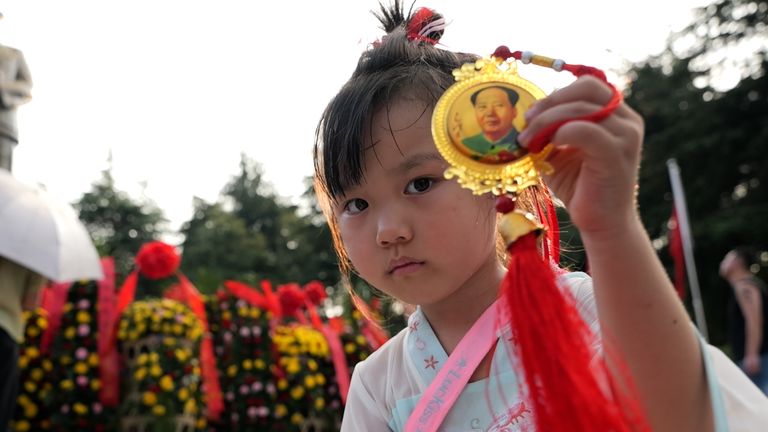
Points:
291	298
157	260
315	292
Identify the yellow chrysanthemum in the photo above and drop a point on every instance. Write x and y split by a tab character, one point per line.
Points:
293	366
142	359
36	374
81	368
67	384
30	410
182	355
158	410
183	394
297	392
247	364
93	359
312	365
309	382
349	347
30	387
23	361
33	332
360	339
166	383
149	398
320	378
260	364
47	365
83	317
280	410
232	370
80	408
282	384
140	373
190	406
96	384
21	426
32	352
255	313
319	404
155	371
297	419
201	423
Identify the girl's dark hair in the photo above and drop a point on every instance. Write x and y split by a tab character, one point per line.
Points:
747	254
394	68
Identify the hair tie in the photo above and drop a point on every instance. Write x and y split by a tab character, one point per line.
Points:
425	25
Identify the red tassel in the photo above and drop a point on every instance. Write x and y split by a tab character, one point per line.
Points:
552	342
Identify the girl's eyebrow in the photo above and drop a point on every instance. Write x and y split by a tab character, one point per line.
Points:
416	160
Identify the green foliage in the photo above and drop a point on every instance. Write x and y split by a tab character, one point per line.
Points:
250	234
719	141
118	224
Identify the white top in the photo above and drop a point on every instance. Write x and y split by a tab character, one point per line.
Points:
386	387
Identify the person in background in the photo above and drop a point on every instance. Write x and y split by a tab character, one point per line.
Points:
20	289
747	326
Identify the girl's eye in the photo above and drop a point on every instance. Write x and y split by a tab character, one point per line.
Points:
355	206
419	185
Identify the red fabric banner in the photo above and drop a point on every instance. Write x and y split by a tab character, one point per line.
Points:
676	252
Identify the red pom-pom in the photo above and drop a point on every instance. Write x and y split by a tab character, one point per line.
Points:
315	292
291	298
505	204
425	25
157	260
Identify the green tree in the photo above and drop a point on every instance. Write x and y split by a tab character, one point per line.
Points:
251	234
118	224
718	138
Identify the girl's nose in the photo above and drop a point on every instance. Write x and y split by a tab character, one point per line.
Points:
393	229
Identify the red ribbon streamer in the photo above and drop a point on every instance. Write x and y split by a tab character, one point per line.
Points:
109	361
54	298
214	398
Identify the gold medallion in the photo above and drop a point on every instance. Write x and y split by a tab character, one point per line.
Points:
475	126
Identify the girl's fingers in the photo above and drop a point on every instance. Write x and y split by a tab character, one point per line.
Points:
586	88
568	111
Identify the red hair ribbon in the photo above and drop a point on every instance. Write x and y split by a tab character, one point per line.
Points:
425	25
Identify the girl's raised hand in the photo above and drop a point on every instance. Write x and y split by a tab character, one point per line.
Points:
595	163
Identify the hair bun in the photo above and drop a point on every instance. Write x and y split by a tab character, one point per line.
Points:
425	25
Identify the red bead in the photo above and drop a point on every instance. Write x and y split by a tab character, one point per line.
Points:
505	204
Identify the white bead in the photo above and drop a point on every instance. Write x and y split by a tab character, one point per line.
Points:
558	64
526	57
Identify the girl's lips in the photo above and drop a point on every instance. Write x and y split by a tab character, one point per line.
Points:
403	266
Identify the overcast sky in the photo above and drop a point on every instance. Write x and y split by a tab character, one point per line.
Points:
176	90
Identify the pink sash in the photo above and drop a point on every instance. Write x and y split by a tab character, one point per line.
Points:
442	393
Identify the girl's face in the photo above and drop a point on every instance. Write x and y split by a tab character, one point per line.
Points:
407	230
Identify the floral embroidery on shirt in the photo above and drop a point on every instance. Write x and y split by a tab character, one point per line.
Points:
420	344
512	420
431	362
414	325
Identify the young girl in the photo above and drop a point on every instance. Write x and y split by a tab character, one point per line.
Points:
412	234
